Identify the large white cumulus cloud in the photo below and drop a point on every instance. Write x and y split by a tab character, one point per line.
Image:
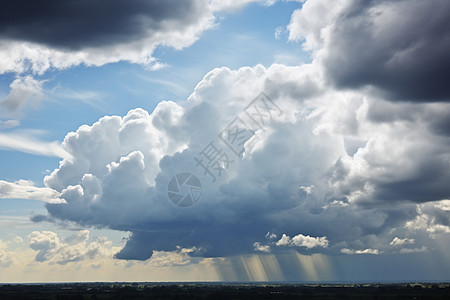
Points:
339	170
320	169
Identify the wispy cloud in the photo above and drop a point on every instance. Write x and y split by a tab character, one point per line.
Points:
24	143
94	99
9	124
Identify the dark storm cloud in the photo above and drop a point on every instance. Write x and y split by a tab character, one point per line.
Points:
428	184
400	47
441	123
210	239
76	24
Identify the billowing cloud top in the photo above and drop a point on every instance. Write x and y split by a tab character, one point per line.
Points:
341	169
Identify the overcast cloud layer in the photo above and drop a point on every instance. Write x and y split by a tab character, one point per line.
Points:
343	169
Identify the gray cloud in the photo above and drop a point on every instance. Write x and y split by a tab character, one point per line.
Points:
38	36
76	25
400	47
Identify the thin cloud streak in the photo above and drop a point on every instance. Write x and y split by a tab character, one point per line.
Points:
23	143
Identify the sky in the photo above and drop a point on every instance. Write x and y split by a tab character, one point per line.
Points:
219	140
